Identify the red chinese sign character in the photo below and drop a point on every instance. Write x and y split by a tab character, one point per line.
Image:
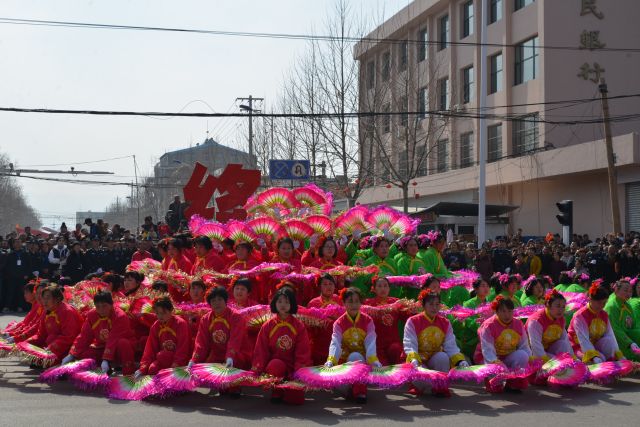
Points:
228	192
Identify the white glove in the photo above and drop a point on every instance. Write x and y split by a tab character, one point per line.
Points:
415	363
296	244
463	364
635	348
190	364
35	273
104	366
597	360
99	271
217	247
261	242
328	364
376	364
68	358
229	363
356	234
137	374
11	340
343	241
387	234
313	240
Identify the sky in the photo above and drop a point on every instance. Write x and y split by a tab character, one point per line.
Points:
76	68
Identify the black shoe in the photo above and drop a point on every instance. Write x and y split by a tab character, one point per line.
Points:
361	399
276	400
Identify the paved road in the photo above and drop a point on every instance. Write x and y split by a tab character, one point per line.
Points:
24	401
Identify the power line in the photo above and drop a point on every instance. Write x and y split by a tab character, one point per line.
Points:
78	163
351	115
287	36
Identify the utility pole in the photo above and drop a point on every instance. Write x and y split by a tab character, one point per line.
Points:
482	134
250	110
611	166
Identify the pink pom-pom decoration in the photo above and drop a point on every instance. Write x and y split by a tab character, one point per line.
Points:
572	376
90	380
34	354
128	388
52	375
336	376
174	380
218	376
475	373
438	380
390	376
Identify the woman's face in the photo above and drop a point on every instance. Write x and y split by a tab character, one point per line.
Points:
327	288
197	294
504	314
130	284
381	288
49	302
434	286
352	305
242	253
382	250
218	304
163	314
624	291
240	293
432	307
557	308
328	249
597	306
285	251
538	290
412	248
283	306
512	287
483	290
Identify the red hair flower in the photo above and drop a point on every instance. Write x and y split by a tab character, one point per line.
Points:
496	302
594	288
551	295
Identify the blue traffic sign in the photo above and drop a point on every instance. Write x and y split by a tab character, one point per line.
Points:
289	169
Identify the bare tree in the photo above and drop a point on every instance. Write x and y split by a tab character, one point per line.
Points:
14	209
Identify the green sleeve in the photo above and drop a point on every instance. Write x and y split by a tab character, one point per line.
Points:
613	310
393	251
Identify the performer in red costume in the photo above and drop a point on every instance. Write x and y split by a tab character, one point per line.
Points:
206	257
283	346
546	329
353	339
168	345
388	343
321	337
503	340
59	326
106	336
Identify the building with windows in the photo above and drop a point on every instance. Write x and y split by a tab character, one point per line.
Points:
545	59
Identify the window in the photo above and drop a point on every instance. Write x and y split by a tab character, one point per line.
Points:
371	74
386	66
525	134
495	84
519	4
422	44
526	64
443	94
467	19
403	55
403	164
443	155
466	150
443	27
423	102
494	142
467	85
386	119
403	106
495	11
422	160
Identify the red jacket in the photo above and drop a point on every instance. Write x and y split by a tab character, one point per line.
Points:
29	325
173	336
58	329
211	261
181	264
103	333
222	337
286	340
